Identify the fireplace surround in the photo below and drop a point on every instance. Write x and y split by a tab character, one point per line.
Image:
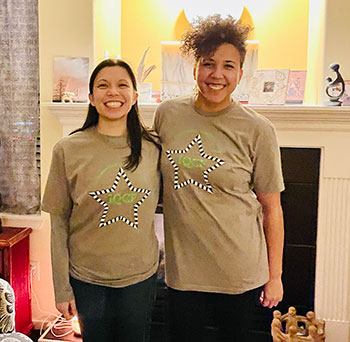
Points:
305	126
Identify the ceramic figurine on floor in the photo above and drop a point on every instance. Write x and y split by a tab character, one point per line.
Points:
320	326
276	331
277	314
335	88
310	320
291	318
316	337
293	334
314	328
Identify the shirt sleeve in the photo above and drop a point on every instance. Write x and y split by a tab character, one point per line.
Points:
57	198
267	170
60	257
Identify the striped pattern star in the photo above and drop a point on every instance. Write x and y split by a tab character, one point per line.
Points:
95	195
207	186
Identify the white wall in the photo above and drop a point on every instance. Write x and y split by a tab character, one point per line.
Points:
337	39
65	29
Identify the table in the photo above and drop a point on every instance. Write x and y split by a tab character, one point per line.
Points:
15	268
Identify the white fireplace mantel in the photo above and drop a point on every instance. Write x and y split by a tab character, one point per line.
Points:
293	117
327	128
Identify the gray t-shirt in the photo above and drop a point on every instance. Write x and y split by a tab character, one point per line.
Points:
211	165
109	233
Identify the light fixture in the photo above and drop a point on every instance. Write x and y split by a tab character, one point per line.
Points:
203	8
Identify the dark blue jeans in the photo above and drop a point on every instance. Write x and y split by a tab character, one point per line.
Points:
115	314
189	312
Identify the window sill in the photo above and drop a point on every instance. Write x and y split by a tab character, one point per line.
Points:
34	221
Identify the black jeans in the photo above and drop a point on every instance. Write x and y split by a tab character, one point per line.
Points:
190	311
115	314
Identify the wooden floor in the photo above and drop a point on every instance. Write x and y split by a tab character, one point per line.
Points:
157	335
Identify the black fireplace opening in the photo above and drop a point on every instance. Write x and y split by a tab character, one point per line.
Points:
301	172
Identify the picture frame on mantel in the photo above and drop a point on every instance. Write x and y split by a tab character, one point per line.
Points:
296	87
250	64
70	79
269	87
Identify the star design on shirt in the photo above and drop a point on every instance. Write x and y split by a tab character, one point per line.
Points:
95	195
207	186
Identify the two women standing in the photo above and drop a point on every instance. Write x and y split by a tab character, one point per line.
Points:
221	169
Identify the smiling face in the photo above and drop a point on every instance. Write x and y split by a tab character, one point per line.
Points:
113	96
217	76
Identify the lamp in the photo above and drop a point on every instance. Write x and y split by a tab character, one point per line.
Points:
203	8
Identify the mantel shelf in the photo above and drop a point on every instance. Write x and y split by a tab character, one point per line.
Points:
287	117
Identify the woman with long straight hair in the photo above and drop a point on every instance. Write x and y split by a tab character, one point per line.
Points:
101	193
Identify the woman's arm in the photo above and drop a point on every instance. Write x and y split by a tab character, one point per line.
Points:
57	201
274	234
60	265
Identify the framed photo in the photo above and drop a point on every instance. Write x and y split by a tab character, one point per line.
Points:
296	86
250	64
70	79
346	96
269	87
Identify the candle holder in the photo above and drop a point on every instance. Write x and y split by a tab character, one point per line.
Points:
335	88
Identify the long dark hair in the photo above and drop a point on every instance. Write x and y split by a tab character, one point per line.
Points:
135	128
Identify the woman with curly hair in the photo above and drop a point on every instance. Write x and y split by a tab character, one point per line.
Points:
222	182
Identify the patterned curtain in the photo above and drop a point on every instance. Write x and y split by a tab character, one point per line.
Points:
19	107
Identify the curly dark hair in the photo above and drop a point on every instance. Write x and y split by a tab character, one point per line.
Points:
210	32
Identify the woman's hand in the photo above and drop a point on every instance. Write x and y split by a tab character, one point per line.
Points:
274	234
272	293
67	309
